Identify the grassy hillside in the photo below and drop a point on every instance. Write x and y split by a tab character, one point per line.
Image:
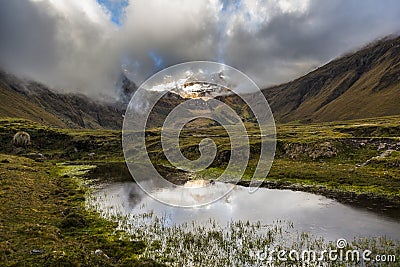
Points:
363	84
21	98
17	106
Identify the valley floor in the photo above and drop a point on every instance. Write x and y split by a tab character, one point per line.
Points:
44	220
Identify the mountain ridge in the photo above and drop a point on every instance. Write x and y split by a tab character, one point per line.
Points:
326	93
361	84
37	102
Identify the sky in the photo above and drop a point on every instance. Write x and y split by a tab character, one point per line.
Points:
116	10
85	45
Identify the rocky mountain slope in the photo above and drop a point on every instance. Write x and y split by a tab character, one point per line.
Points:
362	84
31	100
358	85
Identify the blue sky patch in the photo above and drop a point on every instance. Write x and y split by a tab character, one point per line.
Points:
116	9
158	61
230	6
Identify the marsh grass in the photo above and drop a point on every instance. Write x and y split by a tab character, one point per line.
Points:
235	244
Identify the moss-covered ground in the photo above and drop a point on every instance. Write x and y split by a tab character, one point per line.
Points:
349	159
44	222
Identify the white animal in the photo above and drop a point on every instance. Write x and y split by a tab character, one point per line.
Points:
21	139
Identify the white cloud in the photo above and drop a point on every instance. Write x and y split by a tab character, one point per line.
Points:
66	44
73	44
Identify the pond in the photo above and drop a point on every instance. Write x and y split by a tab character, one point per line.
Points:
315	214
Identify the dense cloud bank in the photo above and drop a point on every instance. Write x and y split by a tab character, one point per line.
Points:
75	46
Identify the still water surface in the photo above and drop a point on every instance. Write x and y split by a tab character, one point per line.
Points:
312	213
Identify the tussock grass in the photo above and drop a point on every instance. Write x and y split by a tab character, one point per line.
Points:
44	221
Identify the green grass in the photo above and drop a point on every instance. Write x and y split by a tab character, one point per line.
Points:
43	201
328	154
44	221
63	144
331	155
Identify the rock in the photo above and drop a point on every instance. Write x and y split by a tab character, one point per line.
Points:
314	151
382	146
99	252
385	154
366	163
35	156
37	251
